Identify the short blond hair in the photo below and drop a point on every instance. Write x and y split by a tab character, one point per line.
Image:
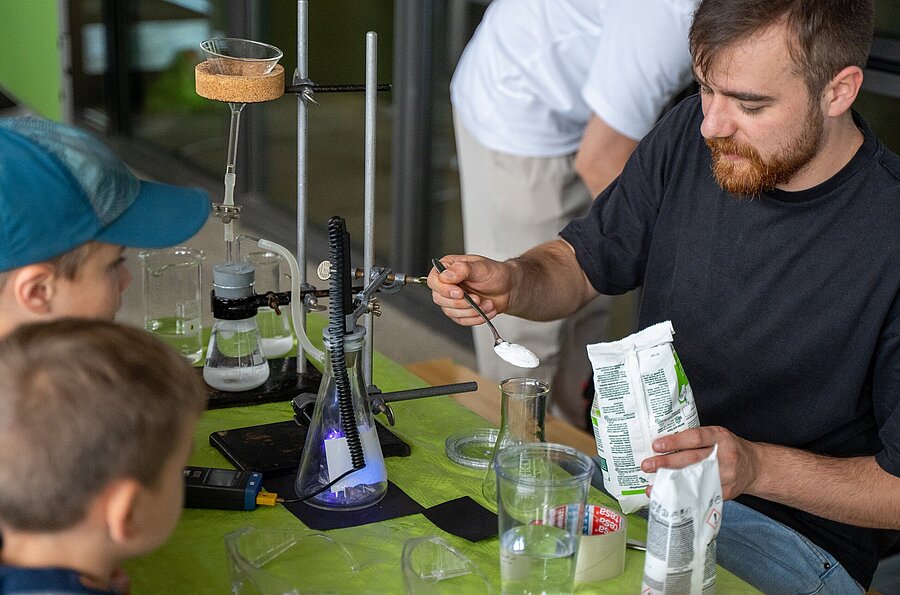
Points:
83	402
67	264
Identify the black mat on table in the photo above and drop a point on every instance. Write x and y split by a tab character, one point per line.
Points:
283	384
464	517
276	448
395	504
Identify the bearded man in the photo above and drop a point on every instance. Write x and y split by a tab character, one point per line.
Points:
761	218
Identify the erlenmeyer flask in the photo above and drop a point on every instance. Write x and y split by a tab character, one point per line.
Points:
523	407
326	453
234	361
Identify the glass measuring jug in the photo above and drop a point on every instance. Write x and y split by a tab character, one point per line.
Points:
274	329
171	298
523	408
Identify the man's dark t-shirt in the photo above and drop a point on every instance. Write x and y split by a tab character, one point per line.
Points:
786	306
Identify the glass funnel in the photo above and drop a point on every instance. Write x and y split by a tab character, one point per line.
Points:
523	407
237	57
327	451
240	57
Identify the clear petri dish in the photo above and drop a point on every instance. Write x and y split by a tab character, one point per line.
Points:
472	448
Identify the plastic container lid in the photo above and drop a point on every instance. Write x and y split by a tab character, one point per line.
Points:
472	448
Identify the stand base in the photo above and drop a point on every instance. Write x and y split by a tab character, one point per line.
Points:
283	384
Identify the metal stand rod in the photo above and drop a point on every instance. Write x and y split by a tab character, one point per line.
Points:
304	87
369	222
428	391
301	74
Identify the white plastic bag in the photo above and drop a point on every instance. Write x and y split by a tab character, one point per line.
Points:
641	393
685	516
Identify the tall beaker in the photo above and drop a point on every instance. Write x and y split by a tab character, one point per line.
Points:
234	361
523	408
275	329
327	452
171	298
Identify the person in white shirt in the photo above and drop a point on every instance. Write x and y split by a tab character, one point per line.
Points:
549	99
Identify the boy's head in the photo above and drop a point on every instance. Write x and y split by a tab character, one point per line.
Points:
96	425
68	204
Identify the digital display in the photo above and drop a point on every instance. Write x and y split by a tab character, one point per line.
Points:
221	477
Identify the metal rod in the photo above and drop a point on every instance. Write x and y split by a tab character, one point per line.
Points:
300	88
428	391
301	74
369	249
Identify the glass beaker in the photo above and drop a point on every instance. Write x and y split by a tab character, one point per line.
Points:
171	298
326	453
275	329
523	407
234	361
540	514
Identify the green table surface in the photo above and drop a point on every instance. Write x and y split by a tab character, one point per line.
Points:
194	559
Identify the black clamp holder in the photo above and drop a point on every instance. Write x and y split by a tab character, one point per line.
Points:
307	89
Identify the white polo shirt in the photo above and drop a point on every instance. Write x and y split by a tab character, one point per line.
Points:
535	70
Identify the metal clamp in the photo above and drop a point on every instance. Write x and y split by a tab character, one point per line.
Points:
228	213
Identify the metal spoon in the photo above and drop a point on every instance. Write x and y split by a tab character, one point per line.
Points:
513	353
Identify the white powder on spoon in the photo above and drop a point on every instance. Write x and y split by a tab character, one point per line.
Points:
516	354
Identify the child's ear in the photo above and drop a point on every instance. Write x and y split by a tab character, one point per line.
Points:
120	501
34	286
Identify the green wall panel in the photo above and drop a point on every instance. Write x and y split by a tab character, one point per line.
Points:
30	71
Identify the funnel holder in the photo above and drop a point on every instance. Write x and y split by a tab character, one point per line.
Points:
232	88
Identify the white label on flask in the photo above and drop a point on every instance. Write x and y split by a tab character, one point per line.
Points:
337	457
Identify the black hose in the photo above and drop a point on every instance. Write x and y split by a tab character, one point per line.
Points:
336	330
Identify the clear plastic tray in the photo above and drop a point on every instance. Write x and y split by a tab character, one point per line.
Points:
473	448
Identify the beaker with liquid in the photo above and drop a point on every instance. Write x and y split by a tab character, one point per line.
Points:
171	298
274	329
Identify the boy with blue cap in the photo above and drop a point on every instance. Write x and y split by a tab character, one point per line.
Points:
68	208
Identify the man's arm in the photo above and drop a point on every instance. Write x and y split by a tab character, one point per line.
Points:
545	283
548	283
855	490
601	155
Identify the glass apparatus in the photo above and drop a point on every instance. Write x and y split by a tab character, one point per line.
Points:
331	452
274	328
523	407
171	298
237	57
234	361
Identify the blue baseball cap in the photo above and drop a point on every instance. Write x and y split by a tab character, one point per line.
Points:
61	187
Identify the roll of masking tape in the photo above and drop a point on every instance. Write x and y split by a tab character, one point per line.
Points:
601	552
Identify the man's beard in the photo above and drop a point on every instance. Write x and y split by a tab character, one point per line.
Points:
752	175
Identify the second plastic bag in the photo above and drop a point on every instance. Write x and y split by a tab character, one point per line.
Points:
641	393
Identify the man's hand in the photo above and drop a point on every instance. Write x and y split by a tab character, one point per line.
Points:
545	283
739	464
487	282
